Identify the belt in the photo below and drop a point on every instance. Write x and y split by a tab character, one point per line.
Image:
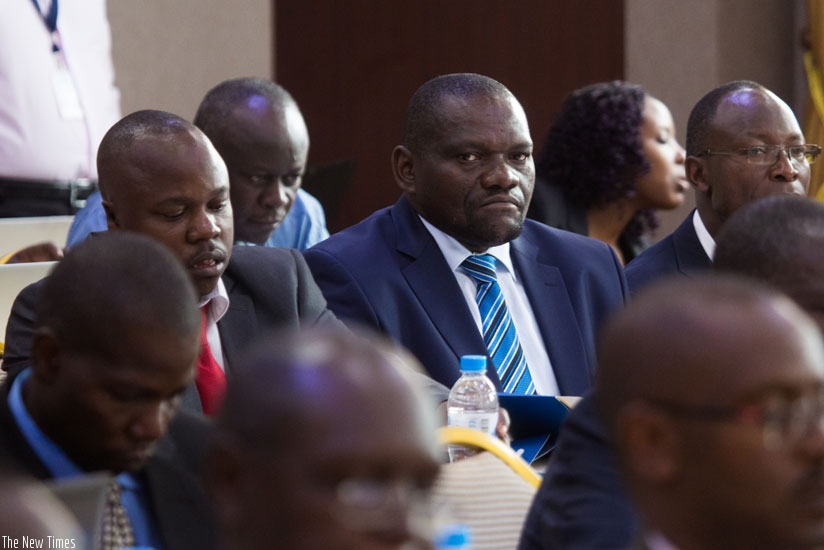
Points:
71	192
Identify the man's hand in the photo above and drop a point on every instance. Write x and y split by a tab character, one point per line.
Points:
40	252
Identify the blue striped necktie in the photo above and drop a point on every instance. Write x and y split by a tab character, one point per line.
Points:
498	330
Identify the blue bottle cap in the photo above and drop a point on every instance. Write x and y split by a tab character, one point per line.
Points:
473	363
456	537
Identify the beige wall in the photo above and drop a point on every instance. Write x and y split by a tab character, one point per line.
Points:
681	49
169	53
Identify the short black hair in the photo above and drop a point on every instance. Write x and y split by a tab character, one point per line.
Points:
110	283
772	240
703	113
214	113
120	138
423	112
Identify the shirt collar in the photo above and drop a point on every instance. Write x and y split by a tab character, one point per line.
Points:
455	253
707	242
218	301
52	456
657	541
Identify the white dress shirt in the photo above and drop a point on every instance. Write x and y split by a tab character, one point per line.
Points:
218	301
512	288
707	242
39	137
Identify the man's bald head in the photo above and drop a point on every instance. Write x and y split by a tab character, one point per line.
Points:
711	387
703	112
111	284
259	131
161	176
778	240
215	114
687	337
313	428
424	112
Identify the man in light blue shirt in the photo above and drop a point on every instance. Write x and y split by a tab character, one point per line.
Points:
117	332
258	129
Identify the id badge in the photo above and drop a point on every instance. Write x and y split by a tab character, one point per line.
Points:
68	102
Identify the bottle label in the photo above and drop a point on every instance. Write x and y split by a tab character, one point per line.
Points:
477	420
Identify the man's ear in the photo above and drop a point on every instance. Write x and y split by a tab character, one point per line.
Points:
650	443
111	218
45	351
403	168
696	172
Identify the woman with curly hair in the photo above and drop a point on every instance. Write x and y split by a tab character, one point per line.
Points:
609	160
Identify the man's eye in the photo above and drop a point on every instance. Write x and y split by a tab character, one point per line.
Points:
756	152
290	180
521	157
261	180
469	157
172	216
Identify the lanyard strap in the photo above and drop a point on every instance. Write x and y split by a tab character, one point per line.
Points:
50	19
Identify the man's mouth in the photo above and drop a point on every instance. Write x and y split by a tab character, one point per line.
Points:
207	263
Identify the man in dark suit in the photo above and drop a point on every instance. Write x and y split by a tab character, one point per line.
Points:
160	176
717	456
584	507
467	174
722	126
116	335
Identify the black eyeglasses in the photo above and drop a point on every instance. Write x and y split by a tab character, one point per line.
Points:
769	154
784	419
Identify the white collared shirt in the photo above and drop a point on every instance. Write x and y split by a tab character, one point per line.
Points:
707	242
532	343
218	301
656	541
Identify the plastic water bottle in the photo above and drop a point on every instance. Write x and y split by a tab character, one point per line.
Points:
473	403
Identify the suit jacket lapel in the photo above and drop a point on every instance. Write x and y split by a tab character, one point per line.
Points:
434	284
238	325
554	315
689	253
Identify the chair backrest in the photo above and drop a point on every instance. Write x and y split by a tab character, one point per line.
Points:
17	233
490	492
13	279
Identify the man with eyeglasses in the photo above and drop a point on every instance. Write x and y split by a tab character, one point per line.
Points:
721	445
732	134
743	143
323	443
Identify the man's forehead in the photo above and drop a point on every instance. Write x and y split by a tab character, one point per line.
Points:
754	112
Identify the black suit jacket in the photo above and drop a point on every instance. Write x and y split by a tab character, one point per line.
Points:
179	504
268	288
679	252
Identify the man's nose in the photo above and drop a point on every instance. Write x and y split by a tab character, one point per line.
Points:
151	424
274	195
501	174
204	227
784	169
